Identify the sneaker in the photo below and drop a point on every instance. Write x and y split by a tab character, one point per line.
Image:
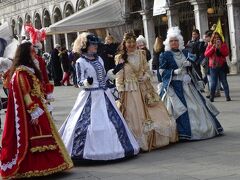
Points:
69	85
211	99
208	96
228	98
218	94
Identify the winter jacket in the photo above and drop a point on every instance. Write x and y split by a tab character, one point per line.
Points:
217	57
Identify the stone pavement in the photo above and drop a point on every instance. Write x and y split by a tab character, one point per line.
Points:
213	159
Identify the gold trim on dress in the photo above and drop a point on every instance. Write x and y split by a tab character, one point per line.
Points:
42	172
43	148
58	140
39	137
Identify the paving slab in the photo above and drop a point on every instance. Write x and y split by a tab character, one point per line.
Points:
212	159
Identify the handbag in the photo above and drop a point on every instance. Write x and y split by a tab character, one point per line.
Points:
225	68
204	62
42	142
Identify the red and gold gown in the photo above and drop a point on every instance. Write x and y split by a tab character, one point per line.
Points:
30	150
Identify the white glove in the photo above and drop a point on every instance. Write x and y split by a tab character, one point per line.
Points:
186	79
177	71
186	64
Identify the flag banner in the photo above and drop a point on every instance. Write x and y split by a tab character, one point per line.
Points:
159	7
219	29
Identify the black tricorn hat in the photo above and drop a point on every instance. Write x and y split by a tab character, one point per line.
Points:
92	39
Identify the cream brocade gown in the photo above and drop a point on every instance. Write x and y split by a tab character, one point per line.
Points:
142	109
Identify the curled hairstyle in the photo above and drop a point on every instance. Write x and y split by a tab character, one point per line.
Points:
109	37
122	48
23	56
80	44
174	32
158	45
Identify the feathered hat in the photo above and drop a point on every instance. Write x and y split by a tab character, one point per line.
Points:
36	36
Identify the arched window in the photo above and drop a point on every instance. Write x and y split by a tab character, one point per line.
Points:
68	10
93	1
37	21
57	15
81	4
20	24
13	25
46	18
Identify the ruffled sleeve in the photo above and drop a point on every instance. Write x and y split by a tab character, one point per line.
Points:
80	73
119	76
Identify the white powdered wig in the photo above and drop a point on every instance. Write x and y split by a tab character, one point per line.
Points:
141	39
174	32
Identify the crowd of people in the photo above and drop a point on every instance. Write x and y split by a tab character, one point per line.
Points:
101	126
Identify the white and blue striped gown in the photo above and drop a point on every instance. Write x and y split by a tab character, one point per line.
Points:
95	129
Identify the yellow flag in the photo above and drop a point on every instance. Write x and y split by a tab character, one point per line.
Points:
219	29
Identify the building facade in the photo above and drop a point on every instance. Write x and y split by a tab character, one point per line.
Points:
138	14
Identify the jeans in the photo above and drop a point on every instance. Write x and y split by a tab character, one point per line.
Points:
66	78
74	74
215	74
209	79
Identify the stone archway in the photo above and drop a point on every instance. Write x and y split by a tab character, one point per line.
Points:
46	18
20	25
28	18
69	37
80	5
37	21
57	16
68	9
13	27
48	43
93	1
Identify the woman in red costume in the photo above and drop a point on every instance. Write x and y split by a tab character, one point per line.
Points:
31	145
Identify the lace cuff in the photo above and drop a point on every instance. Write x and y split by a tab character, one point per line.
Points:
50	107
31	107
36	113
111	75
50	97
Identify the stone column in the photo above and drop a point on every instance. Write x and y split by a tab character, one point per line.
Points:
173	17
233	8
201	18
48	44
149	30
66	41
56	39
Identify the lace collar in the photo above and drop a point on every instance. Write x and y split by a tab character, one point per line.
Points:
28	68
87	59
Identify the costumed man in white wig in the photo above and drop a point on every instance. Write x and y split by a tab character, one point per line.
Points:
195	116
142	44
